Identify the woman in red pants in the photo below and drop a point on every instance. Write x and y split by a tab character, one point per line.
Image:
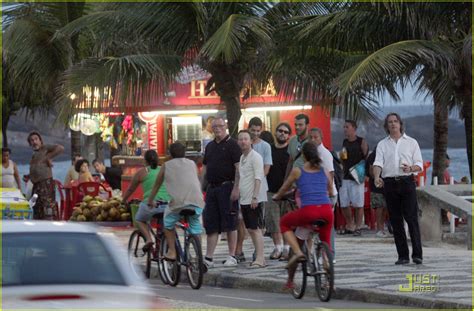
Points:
315	188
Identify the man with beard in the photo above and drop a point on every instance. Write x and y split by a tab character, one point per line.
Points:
296	142
275	178
41	175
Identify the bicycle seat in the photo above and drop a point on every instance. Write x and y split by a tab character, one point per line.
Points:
319	222
187	212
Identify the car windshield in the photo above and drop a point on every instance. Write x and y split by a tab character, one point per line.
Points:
57	258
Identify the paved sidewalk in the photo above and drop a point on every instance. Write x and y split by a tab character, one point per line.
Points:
365	271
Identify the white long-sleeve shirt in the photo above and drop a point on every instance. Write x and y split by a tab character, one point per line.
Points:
391	155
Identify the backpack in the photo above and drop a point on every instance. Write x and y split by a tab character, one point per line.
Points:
338	170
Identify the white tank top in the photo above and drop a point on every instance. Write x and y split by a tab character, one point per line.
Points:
8	178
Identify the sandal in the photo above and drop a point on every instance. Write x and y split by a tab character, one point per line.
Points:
357	232
289	286
346	231
256	265
169	259
294	260
147	247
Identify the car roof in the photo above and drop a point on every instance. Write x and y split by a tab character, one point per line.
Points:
17	226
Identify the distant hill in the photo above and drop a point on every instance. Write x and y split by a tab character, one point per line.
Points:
419	127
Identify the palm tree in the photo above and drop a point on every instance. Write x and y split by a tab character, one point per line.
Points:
225	39
32	61
429	43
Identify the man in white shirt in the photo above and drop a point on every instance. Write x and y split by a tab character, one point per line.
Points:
265	150
397	160
253	192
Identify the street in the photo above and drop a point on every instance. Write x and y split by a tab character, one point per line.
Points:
215	297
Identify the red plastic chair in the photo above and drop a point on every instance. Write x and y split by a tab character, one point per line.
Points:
90	188
58	186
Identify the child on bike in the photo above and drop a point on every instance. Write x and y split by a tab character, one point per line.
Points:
315	189
180	176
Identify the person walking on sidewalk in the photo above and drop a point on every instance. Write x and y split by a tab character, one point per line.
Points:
41	175
315	188
355	150
253	192
221	172
276	177
146	177
180	176
265	150
397	161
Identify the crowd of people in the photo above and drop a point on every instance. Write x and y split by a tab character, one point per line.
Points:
244	180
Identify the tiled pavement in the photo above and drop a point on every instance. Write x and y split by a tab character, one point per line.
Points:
365	271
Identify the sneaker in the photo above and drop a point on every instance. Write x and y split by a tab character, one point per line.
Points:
240	258
230	262
381	234
209	264
285	255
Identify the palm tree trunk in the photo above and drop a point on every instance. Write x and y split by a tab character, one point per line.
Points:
75	142
5	120
232	105
467	112
441	115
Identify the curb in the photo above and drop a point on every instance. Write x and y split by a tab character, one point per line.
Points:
228	280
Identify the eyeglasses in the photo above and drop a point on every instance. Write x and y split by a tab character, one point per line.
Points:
283	131
218	126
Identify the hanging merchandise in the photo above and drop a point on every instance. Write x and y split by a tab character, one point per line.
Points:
127	125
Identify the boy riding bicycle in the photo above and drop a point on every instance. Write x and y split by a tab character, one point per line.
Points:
180	176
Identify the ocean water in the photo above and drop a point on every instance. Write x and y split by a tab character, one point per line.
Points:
458	168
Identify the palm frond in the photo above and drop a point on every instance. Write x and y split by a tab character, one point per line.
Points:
131	81
228	42
395	61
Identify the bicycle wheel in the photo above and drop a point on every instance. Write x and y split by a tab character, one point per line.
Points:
135	251
300	278
324	274
159	261
171	269
194	261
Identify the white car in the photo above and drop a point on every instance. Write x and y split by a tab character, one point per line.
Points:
68	265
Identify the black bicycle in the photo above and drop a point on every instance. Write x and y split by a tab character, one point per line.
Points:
191	257
137	242
319	263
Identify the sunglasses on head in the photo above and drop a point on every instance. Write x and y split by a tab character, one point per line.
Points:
283	131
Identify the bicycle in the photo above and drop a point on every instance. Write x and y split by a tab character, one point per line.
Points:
191	257
319	263
136	243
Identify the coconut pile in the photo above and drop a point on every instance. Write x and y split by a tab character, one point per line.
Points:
99	209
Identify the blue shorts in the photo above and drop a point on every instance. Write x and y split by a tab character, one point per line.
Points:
145	213
171	218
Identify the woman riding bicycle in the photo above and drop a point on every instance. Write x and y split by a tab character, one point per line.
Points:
146	177
181	178
315	189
